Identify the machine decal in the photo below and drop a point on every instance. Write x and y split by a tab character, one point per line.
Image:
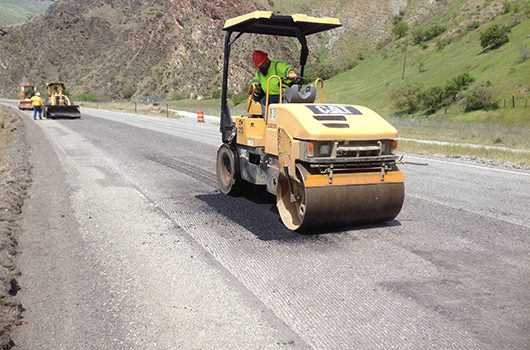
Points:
272	114
330	109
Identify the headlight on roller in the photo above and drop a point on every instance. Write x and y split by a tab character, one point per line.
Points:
316	149
324	150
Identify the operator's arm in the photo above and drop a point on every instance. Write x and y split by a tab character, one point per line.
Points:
256	80
285	71
256	89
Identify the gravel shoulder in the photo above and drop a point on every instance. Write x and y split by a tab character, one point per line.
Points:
104	268
15	177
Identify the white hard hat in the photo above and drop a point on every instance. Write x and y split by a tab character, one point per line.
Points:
37	94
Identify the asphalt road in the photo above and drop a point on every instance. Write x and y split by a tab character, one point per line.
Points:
129	245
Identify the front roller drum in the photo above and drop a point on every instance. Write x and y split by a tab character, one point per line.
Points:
337	206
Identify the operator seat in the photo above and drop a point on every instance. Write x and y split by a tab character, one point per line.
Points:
300	94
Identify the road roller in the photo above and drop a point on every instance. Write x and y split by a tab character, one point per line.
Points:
27	91
59	104
328	164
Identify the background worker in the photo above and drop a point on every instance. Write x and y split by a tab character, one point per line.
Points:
265	69
37	102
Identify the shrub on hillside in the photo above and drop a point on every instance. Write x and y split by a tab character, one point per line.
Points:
176	95
216	93
408	97
509	7
423	35
433	98
321	70
239	95
441	43
400	29
411	97
458	84
495	36
479	96
237	98
472	26
398	17
86	97
128	91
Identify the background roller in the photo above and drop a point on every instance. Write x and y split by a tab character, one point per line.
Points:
59	104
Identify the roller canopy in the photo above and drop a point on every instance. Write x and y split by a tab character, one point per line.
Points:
57	83
265	22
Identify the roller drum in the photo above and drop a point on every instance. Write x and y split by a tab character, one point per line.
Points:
338	206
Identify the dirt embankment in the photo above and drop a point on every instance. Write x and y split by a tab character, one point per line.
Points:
15	178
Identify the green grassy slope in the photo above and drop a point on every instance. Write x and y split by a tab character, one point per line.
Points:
17	11
371	82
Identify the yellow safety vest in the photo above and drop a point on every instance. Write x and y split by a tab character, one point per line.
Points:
36	101
278	68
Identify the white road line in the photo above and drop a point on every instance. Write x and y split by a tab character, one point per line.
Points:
144	117
471	145
468	165
463	208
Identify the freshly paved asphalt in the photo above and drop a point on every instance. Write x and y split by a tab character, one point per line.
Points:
129	245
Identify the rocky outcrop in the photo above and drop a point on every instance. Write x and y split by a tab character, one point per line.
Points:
120	48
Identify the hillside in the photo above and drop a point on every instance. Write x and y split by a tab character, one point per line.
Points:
455	52
117	49
17	11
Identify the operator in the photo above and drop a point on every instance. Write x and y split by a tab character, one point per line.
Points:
37	102
265	69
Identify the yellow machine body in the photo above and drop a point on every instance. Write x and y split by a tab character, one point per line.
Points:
301	123
59	104
332	195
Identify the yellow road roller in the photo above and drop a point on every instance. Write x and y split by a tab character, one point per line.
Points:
59	104
27	91
329	165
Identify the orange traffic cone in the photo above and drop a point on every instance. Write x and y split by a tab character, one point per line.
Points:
200	117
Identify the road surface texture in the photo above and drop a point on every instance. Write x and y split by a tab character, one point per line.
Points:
128	244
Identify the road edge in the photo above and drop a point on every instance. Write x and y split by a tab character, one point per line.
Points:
15	179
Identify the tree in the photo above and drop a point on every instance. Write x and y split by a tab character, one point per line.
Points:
422	35
433	98
408	97
458	84
495	36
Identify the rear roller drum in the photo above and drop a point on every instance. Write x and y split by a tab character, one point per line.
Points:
290	200
228	176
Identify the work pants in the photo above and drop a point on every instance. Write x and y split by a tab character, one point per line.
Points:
37	110
272	99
